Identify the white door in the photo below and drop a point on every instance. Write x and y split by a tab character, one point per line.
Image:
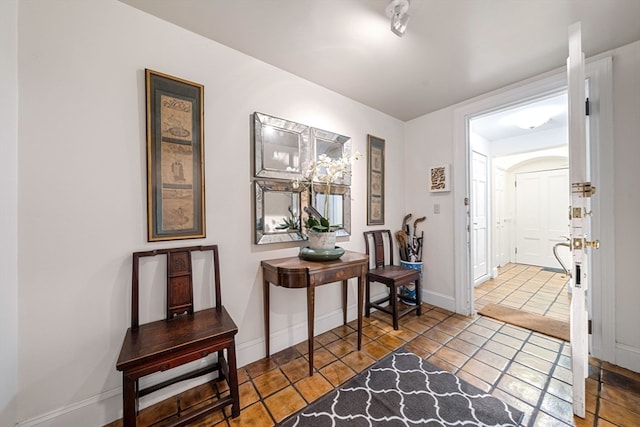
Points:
479	215
501	236
527	218
542	203
580	196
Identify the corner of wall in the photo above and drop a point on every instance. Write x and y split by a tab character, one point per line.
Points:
9	211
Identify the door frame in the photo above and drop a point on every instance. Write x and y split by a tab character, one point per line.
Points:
602	306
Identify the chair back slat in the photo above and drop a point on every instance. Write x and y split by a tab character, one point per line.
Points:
375	245
179	280
179	283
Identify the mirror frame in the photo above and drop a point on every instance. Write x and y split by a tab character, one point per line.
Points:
260	121
262	186
340	190
332	137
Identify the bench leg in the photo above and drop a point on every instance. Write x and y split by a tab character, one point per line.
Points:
419	296
393	290
129	401
233	380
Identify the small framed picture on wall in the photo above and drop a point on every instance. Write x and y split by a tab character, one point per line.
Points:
439	179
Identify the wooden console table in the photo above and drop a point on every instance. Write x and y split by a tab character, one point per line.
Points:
294	272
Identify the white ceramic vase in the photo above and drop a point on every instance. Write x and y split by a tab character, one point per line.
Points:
322	241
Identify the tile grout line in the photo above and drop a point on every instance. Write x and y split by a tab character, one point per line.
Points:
545	389
504	371
599	389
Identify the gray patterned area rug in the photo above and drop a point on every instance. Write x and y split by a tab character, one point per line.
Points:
404	390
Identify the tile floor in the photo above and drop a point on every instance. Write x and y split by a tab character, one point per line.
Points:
528	370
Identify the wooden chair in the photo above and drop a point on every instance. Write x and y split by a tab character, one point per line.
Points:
184	336
379	246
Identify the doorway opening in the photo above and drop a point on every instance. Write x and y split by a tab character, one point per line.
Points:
602	296
519	180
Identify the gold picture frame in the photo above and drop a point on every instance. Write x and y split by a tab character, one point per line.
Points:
375	180
175	158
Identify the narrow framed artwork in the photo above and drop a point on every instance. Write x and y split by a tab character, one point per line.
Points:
175	158
439	179
375	180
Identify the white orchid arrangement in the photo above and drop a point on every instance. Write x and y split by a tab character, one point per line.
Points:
327	171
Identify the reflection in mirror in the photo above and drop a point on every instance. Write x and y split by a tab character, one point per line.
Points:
280	146
339	208
278	208
334	146
280	211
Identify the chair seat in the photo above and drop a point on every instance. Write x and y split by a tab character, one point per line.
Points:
393	273
195	335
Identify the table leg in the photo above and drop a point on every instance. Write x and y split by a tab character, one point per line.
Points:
311	302
361	280
344	301
266	317
128	401
419	296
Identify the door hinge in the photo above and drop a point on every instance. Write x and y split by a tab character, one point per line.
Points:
590	327
516	251
587	107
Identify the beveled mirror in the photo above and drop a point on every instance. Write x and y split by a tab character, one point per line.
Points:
278	208
338	208
334	146
281	146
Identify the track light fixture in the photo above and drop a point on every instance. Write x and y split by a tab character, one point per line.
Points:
397	11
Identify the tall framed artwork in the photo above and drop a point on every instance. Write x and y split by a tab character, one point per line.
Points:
175	158
375	180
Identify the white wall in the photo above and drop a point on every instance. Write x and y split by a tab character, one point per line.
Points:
626	119
82	190
8	211
429	144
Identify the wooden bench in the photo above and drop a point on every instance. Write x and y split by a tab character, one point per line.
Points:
183	336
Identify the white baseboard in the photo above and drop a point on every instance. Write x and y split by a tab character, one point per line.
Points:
107	407
439	300
94	411
254	350
628	357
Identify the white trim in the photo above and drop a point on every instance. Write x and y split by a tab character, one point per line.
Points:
603	271
295	334
68	415
537	87
628	357
107	406
439	300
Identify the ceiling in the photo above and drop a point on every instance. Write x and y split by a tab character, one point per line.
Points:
453	50
500	125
